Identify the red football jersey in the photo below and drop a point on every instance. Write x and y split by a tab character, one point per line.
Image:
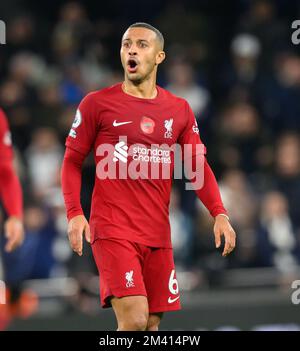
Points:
132	209
5	138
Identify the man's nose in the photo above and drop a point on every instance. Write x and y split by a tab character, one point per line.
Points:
133	50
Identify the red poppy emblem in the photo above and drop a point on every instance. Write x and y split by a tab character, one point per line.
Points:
147	125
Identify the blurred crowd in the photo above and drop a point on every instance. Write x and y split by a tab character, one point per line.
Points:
241	77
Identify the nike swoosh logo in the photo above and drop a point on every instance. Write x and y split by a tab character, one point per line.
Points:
170	300
117	124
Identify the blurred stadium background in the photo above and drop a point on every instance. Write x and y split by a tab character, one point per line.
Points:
236	65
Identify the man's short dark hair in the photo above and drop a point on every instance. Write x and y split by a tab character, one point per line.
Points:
148	26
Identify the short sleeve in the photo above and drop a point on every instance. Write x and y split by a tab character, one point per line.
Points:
5	138
84	129
189	139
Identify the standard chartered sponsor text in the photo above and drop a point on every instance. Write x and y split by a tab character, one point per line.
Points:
139	161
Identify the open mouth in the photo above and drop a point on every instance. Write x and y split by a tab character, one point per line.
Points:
132	65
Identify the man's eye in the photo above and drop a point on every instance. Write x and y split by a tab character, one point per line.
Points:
143	45
126	45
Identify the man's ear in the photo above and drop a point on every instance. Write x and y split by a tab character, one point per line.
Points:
160	57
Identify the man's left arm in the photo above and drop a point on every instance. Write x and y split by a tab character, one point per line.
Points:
210	196
209	193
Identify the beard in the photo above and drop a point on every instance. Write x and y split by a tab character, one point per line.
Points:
137	78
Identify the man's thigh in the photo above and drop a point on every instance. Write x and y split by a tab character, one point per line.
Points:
160	281
129	306
119	263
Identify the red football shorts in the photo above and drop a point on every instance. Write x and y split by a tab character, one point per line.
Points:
127	268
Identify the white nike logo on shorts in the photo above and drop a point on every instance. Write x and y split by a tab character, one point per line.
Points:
170	300
117	124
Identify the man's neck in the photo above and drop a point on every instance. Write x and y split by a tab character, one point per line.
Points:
144	90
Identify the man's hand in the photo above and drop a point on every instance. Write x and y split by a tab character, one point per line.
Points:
223	227
76	227
14	233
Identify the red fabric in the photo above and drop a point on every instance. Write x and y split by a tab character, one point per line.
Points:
5	138
128	268
209	194
10	188
131	209
71	182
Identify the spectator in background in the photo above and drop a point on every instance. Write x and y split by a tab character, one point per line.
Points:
70	32
18	94
239	78
34	259
277	242
240	137
280	94
181	233
72	86
95	71
49	106
22	34
287	172
240	199
182	82
44	156
27	69
262	21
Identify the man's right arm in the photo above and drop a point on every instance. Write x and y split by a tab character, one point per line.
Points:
71	187
78	145
71	181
